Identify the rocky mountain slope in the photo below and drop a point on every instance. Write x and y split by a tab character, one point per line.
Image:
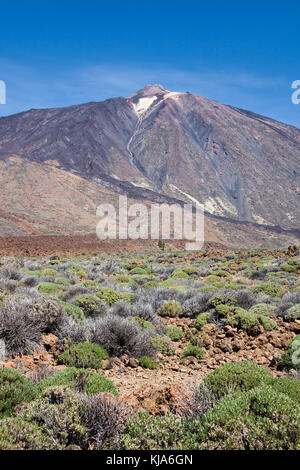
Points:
154	145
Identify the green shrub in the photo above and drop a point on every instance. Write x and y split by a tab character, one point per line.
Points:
63	281
271	288
211	279
90	382
110	296
58	413
144	324
263	309
221	298
138	270
293	313
195	351
223	309
179	274
175	333
90	283
78	271
15	388
267	322
122	278
147	363
242	320
245	320
163	344
49	272
289	268
170	309
90	304
260	419
49	288
220	273
190	270
205	289
289	386
150	285
144	432
291	357
201	320
17	434
74	311
35	273
235	376
83	355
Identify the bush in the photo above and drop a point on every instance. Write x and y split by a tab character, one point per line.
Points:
120	336
57	413
170	309
223	297
71	332
271	288
91	305
175	333
144	432
50	311
246	320
138	270
111	296
291	357
15	388
163	344
223	309
197	304
290	386
144	324
75	312
147	363
83	355
150	284
293	313
195	351
242	320
24	319
17	434
263	309
260	419
202	320
77	379
286	302
105	419
19	329
50	288
267	322
179	274
236	376
78	271
244	298
190	270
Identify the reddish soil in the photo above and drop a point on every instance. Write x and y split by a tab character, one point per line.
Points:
46	245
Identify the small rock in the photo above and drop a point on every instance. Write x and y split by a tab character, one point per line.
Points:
106	364
134	363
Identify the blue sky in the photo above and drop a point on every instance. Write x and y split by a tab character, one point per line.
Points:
72	52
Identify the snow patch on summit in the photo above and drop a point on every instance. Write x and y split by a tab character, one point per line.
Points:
143	104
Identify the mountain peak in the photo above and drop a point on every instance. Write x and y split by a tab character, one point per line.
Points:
150	90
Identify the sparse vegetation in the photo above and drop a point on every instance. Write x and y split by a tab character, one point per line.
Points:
160	314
